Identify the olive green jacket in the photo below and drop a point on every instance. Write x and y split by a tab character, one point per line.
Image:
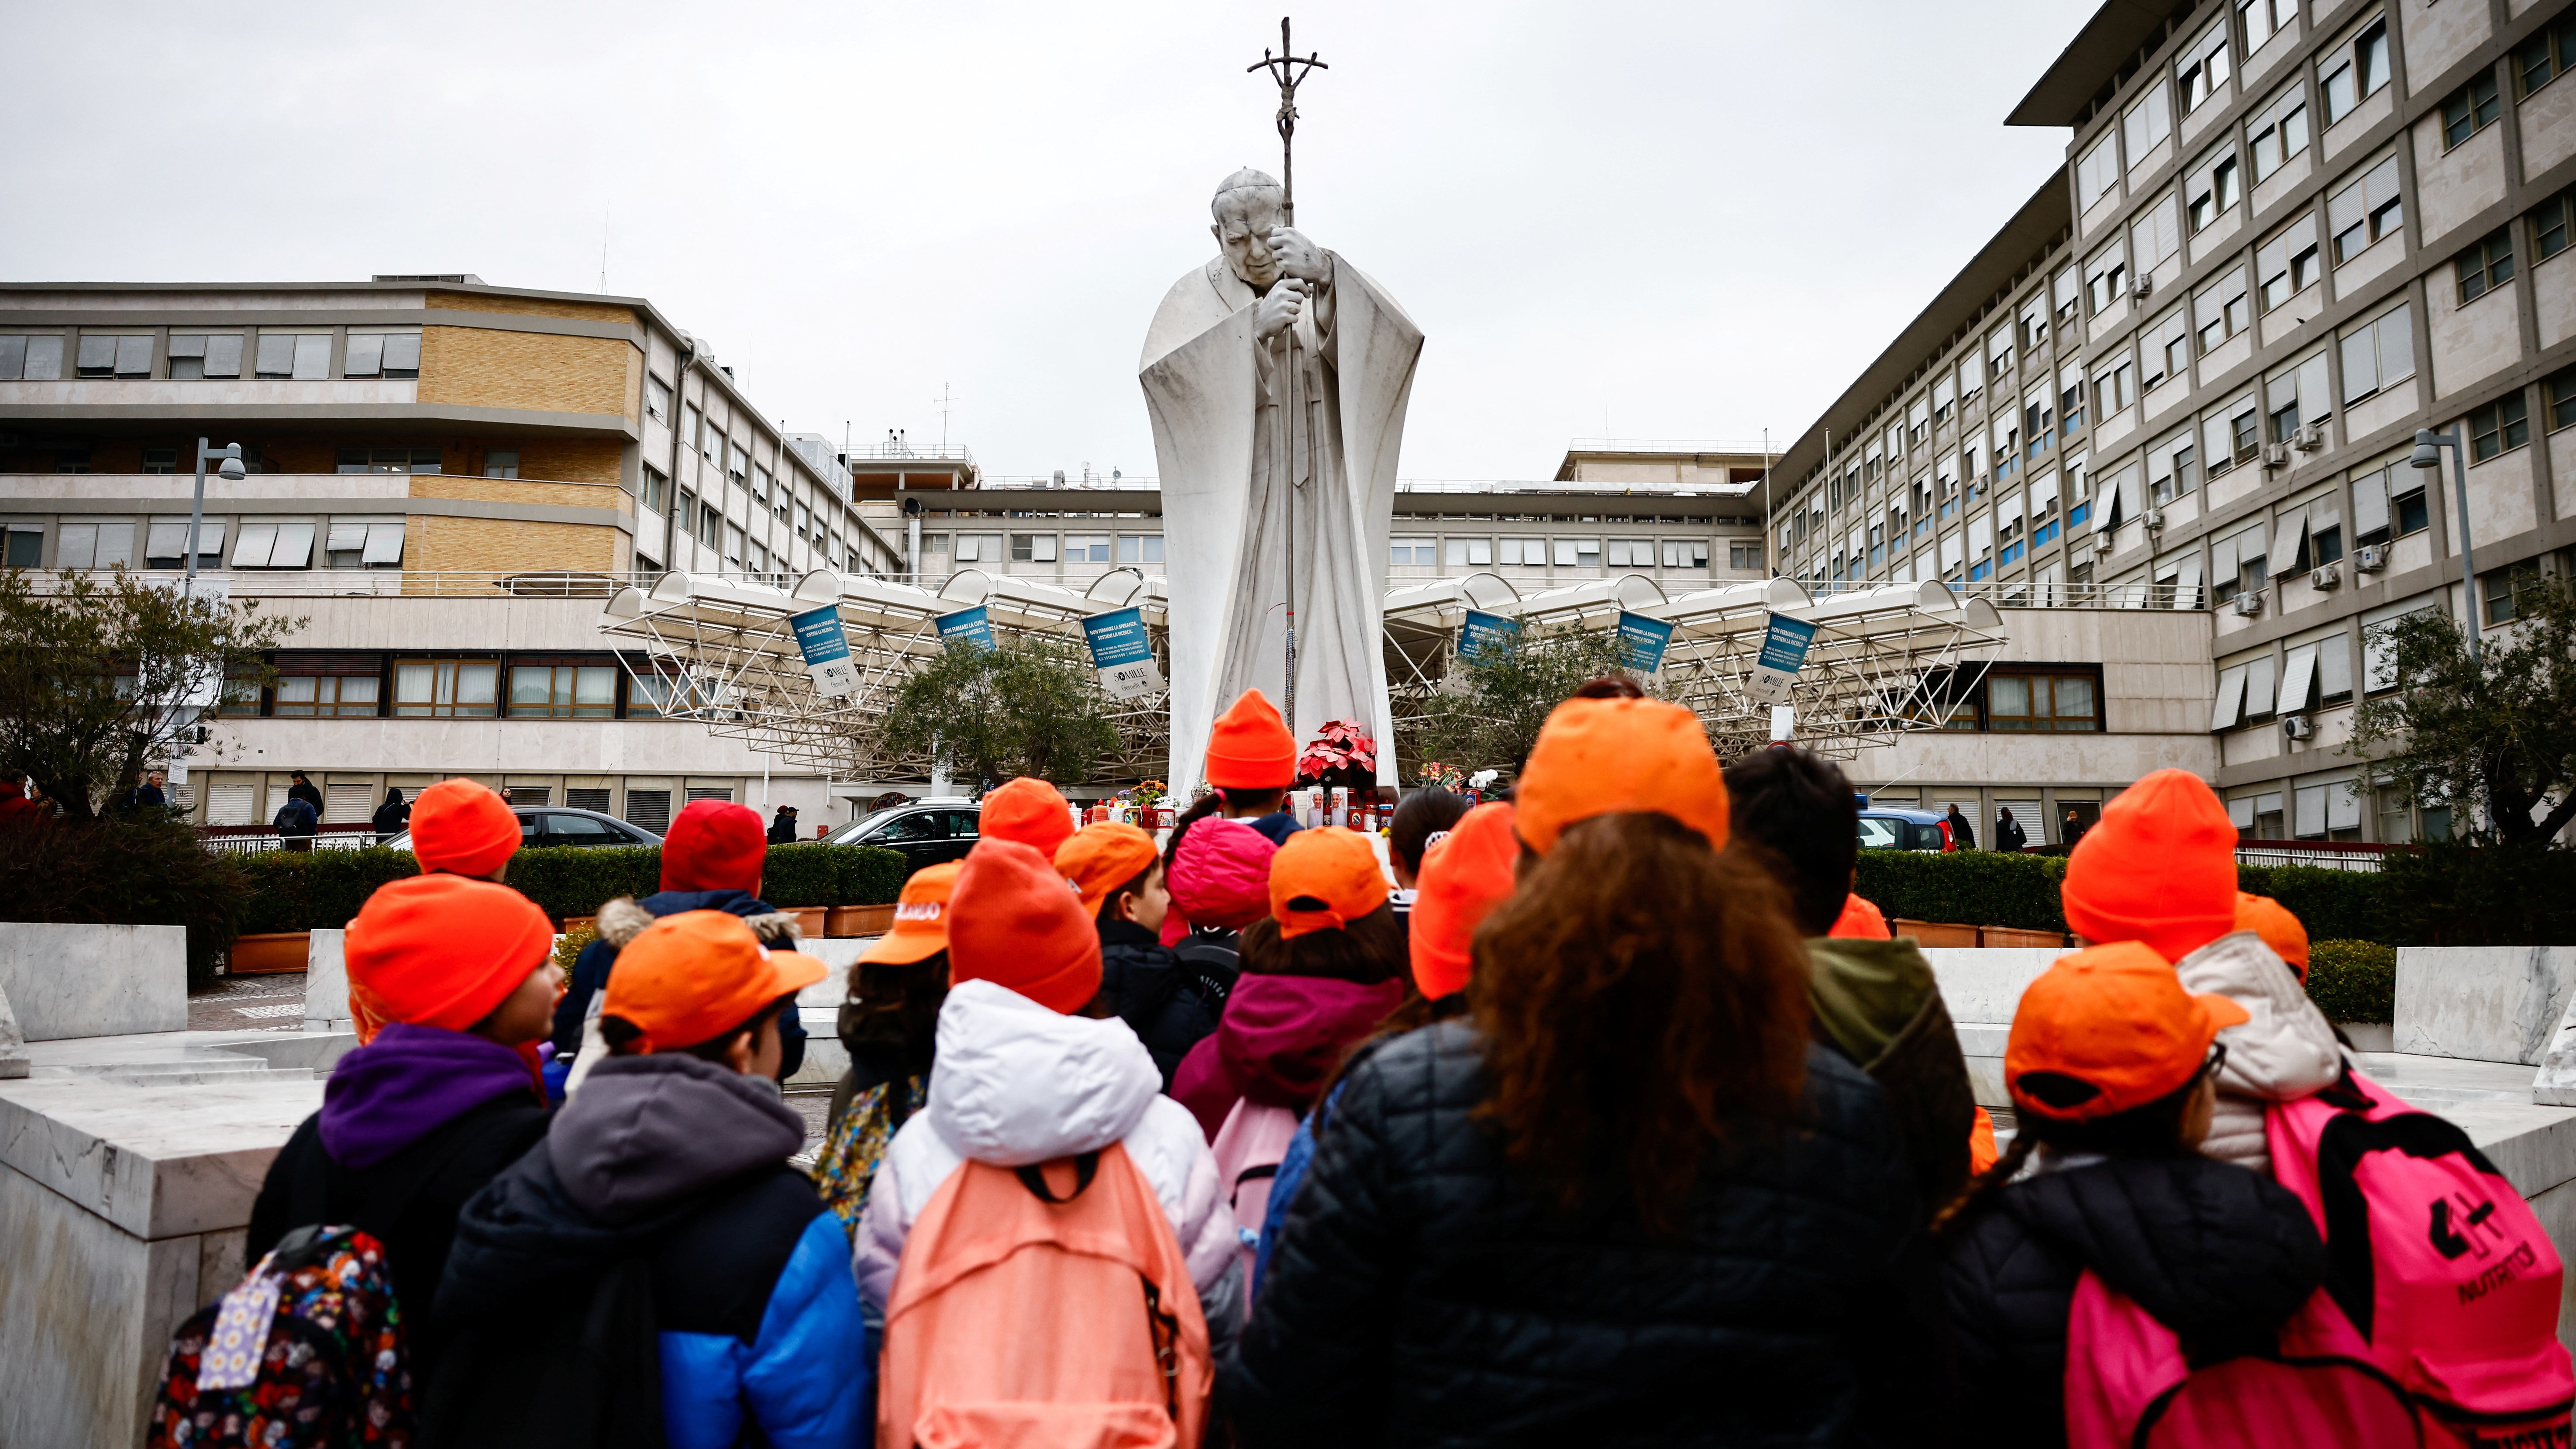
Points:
1877	1004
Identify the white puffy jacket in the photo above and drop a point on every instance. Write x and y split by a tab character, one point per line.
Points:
2284	1051
1015	1083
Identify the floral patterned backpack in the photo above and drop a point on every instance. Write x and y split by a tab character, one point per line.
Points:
306	1351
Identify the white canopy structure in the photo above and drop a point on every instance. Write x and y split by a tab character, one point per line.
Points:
719	650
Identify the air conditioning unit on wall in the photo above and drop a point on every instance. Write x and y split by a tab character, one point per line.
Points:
2309	438
2250	602
2325	576
2276	455
2297	726
2370	558
2145	288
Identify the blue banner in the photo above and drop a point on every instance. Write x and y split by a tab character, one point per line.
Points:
826	650
1486	631
1784	652
1123	653
972	626
1642	641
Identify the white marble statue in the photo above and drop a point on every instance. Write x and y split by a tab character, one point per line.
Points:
1276	328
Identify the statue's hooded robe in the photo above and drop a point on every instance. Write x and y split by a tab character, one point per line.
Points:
1219	401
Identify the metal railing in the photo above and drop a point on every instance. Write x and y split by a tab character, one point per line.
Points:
941	452
2323	854
2027	594
1731	447
253	839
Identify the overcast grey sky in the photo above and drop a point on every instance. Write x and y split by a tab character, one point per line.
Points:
1639	220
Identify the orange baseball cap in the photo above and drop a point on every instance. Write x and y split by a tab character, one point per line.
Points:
1250	747
1464	877
2106	1030
440	950
461	826
1619	756
2159	867
690	978
2279	929
1334	871
920	917
1100	858
1015	922
1032	812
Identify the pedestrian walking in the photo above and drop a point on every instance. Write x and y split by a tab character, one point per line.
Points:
782	826
296	824
1625	1200
2008	832
391	816
148	795
302	788
1962	834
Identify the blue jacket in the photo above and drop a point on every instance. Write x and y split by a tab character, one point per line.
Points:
682	1164
621	920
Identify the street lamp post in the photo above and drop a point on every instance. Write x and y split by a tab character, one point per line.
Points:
2428	454
230	469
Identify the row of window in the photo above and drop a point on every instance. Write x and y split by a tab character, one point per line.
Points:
303	355
2022	699
338	542
343	686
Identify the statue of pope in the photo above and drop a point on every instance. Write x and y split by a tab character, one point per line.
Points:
1276	378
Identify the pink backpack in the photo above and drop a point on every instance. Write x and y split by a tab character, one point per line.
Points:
2129	1384
1248	1149
2435	1259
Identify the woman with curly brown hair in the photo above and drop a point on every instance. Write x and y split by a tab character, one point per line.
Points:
1625	1200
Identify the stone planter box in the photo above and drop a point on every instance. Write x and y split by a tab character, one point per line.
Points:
857	921
1929	934
2011	937
276	953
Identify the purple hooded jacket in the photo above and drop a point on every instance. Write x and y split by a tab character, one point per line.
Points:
407	1083
1280	1037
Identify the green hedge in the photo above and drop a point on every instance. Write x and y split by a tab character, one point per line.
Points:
1966	887
2353	980
321	890
2442	896
144	870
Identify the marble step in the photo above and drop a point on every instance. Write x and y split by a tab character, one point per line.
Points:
190	1077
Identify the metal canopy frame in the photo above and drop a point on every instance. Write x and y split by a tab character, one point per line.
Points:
718	650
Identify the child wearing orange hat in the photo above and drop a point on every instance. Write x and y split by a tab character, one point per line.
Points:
1027	810
711	861
1252	763
887	1025
1120	874
1874	999
1025	1074
2113	1067
2160	868
1318	973
675	1155
415	1122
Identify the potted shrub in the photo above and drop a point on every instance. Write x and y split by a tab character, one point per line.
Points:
867	881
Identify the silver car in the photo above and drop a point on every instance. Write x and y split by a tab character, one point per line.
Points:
562	825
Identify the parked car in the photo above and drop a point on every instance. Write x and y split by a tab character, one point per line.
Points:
1885	829
926	831
562	825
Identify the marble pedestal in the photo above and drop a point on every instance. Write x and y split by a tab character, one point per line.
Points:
74	981
124	1201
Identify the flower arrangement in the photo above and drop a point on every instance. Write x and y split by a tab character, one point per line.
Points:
1436	775
1147	794
1343	753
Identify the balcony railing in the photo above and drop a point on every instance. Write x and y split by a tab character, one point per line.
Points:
2027	594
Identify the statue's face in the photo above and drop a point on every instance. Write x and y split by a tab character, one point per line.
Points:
1243	223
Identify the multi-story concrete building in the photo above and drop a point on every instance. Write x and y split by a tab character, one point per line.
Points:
2186	375
444	480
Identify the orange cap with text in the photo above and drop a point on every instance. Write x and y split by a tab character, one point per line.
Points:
920	929
1464	877
1324	879
689	978
1030	811
1615	757
1100	858
2106	1030
1250	747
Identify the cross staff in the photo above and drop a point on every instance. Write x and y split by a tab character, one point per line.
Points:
1290	71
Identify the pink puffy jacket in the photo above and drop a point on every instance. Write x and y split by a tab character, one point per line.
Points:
1220	877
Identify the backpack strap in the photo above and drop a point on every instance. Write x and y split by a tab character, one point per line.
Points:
1254	1173
1086	1166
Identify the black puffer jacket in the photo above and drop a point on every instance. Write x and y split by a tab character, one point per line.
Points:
1424	1292
2216	1253
1169	1003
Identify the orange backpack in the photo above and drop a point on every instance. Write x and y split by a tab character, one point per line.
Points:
1044	1308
